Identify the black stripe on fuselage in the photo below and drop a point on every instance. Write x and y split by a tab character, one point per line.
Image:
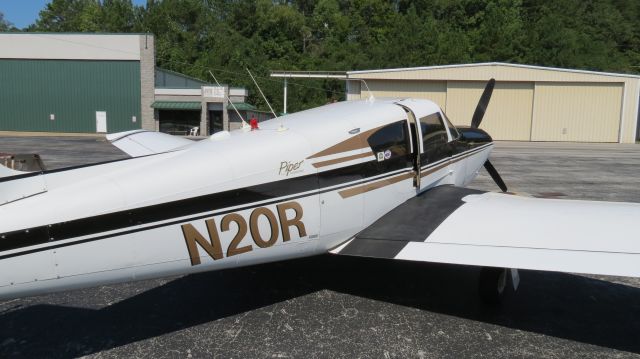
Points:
273	191
309	185
468	152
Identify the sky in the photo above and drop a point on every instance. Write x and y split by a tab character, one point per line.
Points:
22	13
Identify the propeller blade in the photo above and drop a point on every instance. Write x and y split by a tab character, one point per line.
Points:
495	175
478	114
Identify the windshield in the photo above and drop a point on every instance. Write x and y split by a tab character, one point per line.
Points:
452	129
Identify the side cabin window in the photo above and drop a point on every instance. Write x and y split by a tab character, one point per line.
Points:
434	138
390	145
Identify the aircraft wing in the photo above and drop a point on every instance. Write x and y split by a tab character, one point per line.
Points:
5	172
142	142
463	226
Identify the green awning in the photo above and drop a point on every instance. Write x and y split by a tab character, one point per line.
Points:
176	105
242	106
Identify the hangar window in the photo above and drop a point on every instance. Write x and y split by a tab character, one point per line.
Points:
434	138
390	144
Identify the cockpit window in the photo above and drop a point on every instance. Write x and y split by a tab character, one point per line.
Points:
434	138
432	127
452	129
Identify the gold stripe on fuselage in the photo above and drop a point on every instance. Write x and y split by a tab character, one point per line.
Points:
341	159
356	142
375	185
402	176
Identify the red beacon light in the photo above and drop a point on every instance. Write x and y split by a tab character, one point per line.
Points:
254	124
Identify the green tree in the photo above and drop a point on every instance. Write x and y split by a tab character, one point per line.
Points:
4	24
117	16
69	16
180	28
500	34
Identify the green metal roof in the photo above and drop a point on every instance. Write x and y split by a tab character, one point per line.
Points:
176	105
171	79
243	106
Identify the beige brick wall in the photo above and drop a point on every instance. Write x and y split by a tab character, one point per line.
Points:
147	82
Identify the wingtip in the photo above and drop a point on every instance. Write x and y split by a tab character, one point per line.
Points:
111	137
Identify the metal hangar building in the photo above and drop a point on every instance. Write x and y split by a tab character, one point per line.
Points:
529	103
76	82
105	83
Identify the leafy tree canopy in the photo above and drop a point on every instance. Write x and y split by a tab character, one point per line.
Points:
5	25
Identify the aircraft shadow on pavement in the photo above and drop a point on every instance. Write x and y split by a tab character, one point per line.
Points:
559	305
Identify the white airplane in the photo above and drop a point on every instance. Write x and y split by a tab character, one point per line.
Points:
381	179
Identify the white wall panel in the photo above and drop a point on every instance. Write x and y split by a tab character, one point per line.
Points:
69	46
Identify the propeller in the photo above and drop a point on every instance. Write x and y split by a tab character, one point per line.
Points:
495	175
478	115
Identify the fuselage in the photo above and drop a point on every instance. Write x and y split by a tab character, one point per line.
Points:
300	185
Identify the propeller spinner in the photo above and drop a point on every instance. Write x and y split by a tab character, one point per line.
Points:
478	115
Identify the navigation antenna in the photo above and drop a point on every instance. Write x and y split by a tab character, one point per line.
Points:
371	98
245	125
282	128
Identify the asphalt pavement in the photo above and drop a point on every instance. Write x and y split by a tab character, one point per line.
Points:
339	307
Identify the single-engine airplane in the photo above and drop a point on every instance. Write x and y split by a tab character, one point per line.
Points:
381	178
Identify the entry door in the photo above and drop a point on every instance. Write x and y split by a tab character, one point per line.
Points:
216	121
101	121
395	163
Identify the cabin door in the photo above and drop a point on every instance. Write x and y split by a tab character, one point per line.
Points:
395	168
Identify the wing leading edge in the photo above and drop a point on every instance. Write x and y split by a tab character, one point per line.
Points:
462	226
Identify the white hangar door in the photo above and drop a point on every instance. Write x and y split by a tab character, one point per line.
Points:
579	112
508	115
